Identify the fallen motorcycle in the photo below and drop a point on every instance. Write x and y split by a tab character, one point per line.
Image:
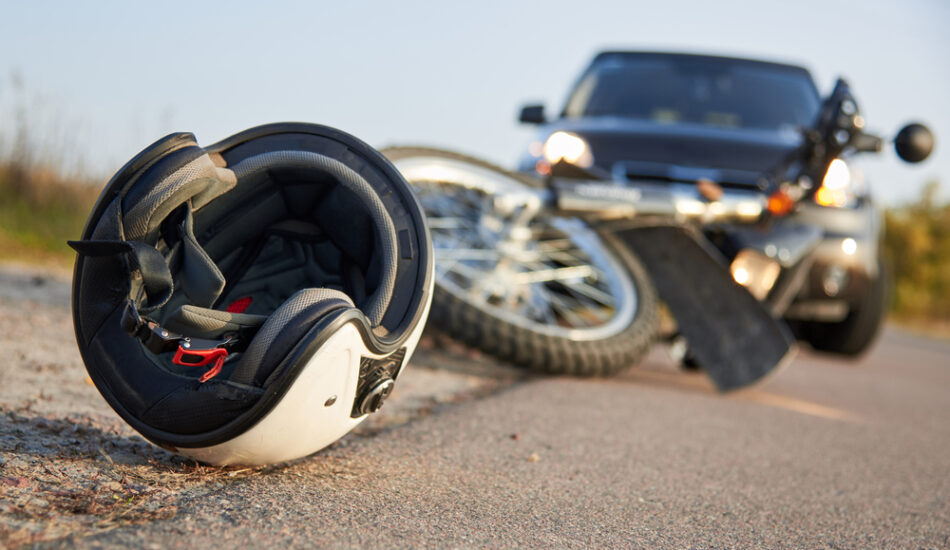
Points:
562	269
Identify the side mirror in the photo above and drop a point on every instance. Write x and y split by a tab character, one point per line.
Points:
914	143
532	114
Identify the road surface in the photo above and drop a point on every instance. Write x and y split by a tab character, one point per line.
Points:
825	454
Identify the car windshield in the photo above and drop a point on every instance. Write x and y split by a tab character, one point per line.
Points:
709	91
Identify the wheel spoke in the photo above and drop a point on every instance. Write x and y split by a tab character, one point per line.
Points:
595	294
558	277
589	291
448	222
566	310
555	274
445	254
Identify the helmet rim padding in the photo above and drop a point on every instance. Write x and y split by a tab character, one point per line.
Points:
209	323
310	303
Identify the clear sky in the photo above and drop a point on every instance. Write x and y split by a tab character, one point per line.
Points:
101	80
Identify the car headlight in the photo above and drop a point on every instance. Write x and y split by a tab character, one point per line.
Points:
568	147
837	188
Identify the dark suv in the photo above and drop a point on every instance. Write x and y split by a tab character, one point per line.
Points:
680	119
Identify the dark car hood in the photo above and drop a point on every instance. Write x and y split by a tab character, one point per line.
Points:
648	150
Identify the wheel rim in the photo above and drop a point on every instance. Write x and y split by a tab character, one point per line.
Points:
551	275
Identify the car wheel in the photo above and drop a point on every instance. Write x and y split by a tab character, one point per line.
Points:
855	334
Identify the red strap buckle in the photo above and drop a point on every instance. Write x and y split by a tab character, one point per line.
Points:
240	305
201	358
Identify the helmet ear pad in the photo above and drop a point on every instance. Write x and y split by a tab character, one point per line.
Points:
285	327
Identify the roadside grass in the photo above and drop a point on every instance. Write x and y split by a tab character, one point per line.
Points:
917	247
39	212
921	326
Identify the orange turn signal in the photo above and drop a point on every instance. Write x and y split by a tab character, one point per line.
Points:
780	203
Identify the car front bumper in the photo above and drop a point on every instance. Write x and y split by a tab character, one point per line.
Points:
845	262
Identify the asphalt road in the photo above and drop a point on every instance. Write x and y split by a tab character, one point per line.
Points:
824	454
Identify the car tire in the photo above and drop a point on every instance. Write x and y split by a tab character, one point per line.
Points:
854	335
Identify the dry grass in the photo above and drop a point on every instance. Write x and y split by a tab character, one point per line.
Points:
917	245
931	328
39	212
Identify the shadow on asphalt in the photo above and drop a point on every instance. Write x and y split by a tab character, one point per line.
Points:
76	437
684	381
439	351
62	477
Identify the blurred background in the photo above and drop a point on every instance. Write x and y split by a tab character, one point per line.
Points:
84	87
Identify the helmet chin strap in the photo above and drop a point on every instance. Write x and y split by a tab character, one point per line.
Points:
194	352
145	262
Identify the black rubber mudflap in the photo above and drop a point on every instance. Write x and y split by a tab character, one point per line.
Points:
729	333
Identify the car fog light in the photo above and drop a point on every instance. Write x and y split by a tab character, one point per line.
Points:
755	271
741	275
834	280
849	246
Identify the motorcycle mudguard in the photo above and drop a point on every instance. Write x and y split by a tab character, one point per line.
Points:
730	334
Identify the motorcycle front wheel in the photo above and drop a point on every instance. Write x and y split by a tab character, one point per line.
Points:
541	291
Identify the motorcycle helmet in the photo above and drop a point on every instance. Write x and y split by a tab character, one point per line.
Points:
252	301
